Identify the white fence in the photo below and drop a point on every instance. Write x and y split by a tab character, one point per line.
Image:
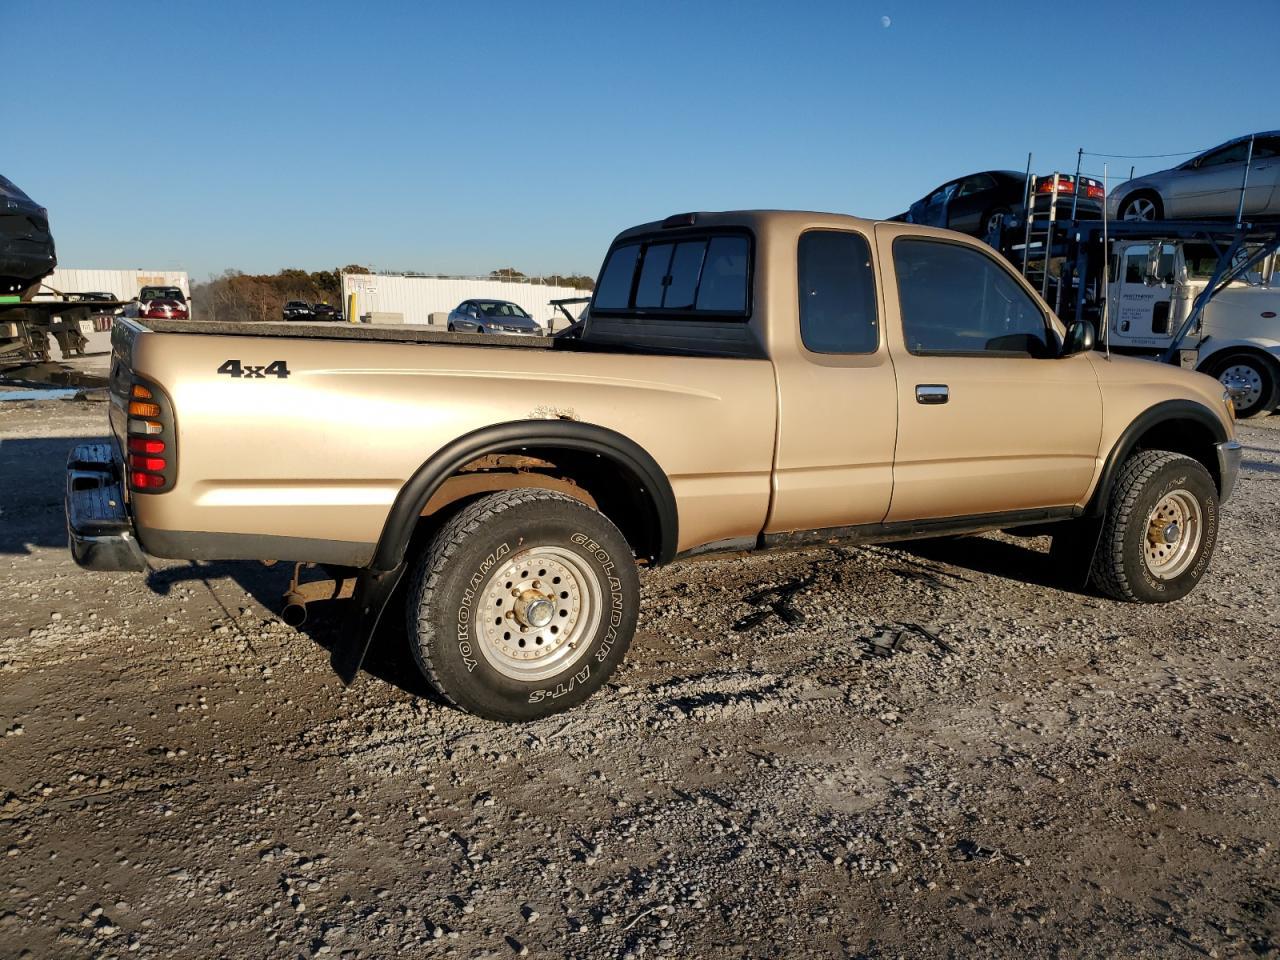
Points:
416	298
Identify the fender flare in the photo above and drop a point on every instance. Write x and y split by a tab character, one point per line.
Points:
1151	417
519	435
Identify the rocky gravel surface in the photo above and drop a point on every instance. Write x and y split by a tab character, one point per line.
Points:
780	769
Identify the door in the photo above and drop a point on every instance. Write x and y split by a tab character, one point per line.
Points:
934	213
837	416
974	197
1209	186
1141	307
990	418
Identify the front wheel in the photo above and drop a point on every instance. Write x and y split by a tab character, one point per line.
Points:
1159	531
523	605
1251	382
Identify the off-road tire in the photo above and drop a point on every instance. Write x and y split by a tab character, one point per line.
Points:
1119	567
448	591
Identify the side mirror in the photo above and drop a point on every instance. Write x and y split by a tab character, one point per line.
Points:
1080	338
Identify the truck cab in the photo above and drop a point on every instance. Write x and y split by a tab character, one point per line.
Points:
1153	285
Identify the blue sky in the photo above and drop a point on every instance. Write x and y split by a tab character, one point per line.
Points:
467	136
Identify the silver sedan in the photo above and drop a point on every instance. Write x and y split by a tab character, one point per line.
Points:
1207	185
493	316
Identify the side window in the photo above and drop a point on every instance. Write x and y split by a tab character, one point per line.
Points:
975	184
1235	153
614	290
678	277
956	300
837	293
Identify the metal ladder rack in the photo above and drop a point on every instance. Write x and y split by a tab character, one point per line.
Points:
1042	230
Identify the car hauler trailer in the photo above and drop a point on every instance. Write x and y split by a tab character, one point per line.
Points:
1202	294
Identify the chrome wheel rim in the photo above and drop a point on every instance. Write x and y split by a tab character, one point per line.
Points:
1243	383
538	613
995	222
1174	529
1139	209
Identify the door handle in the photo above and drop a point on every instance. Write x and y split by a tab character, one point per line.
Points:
932	393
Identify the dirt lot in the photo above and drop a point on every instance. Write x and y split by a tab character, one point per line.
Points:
182	775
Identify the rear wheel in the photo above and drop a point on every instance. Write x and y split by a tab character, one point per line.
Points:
994	221
1143	205
523	605
1251	382
1159	531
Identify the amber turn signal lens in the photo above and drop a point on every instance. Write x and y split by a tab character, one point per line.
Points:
140	392
137	409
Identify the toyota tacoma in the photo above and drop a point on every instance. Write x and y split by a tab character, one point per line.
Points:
743	381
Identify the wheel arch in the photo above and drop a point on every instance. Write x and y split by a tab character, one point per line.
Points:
618	476
1181	426
1267	353
1142	189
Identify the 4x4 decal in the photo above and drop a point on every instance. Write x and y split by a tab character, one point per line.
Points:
234	368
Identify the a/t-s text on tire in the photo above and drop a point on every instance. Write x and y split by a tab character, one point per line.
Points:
523	605
1160	529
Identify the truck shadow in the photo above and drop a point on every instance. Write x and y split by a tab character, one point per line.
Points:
326	625
1015	560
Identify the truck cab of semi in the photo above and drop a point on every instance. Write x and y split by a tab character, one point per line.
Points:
1152	287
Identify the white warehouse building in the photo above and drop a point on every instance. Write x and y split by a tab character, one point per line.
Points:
125	284
413	299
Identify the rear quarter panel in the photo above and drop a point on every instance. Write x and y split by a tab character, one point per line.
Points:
323	453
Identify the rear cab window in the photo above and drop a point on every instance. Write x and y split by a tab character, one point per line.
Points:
689	275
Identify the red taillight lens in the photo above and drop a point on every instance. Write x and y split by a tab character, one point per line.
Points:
1065	185
1095	192
145	481
137	462
145	446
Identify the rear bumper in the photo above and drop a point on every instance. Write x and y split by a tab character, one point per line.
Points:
1229	452
99	526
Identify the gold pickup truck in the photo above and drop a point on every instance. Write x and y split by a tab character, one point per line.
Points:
743	381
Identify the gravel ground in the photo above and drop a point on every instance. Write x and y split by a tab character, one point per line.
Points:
1056	774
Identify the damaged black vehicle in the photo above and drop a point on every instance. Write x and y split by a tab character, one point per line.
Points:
26	245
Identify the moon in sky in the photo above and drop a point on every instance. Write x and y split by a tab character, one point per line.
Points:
885	22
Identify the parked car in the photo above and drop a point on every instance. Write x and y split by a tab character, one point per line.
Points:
298	310
164	308
977	203
26	245
746	381
1206	186
325	311
492	316
116	309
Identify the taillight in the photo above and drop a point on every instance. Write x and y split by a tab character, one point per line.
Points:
150	439
1095	192
145	481
1065	185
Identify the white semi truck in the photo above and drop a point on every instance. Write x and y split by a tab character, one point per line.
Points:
1152	287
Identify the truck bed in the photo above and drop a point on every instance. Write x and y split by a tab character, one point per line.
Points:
679	337
334	330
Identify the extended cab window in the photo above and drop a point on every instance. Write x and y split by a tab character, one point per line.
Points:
837	293
686	276
955	300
